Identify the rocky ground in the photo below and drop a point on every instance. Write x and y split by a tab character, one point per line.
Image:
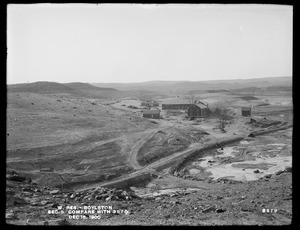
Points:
267	201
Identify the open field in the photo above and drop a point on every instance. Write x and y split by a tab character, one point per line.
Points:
103	141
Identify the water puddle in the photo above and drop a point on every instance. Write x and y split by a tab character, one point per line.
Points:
194	171
203	162
244	142
227	151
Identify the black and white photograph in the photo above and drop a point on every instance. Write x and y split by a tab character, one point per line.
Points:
149	114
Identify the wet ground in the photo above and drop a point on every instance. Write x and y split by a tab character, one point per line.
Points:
247	160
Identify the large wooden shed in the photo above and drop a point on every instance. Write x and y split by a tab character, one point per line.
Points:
197	110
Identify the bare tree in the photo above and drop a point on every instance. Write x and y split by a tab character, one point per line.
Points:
223	116
193	98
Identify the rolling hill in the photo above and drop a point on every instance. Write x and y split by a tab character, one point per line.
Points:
86	86
78	89
42	87
183	87
73	89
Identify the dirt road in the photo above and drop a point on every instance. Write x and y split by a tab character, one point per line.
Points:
146	136
137	146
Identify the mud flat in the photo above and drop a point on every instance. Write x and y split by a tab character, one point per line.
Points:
250	160
245	171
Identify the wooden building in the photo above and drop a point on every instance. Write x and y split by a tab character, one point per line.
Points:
146	104
151	114
174	112
155	104
246	111
197	110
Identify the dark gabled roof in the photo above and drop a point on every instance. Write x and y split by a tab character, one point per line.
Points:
199	105
151	111
201	102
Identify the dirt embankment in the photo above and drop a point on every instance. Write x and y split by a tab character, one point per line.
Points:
165	142
262	132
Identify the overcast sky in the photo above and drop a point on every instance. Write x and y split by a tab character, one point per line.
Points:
136	43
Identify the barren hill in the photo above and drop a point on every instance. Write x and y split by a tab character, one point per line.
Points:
86	86
182	87
74	135
78	89
74	89
42	87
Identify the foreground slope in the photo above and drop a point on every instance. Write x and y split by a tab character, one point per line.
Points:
77	136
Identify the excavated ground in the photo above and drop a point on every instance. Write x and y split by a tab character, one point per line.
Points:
246	182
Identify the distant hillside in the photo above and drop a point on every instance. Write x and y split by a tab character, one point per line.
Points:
247	89
75	89
80	90
152	89
263	90
86	86
183	87
43	87
279	88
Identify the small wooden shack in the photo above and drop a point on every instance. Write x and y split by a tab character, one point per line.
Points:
145	104
151	114
246	111
155	104
197	110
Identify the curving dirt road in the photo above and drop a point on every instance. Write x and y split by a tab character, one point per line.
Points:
137	146
148	135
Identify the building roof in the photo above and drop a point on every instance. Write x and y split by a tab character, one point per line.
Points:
175	101
151	111
199	105
246	108
180	100
202	102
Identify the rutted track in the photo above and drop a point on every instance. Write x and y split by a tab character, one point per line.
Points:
136	147
140	143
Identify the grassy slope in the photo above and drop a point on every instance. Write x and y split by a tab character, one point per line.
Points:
63	131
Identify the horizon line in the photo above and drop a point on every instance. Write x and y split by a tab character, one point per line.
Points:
231	79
